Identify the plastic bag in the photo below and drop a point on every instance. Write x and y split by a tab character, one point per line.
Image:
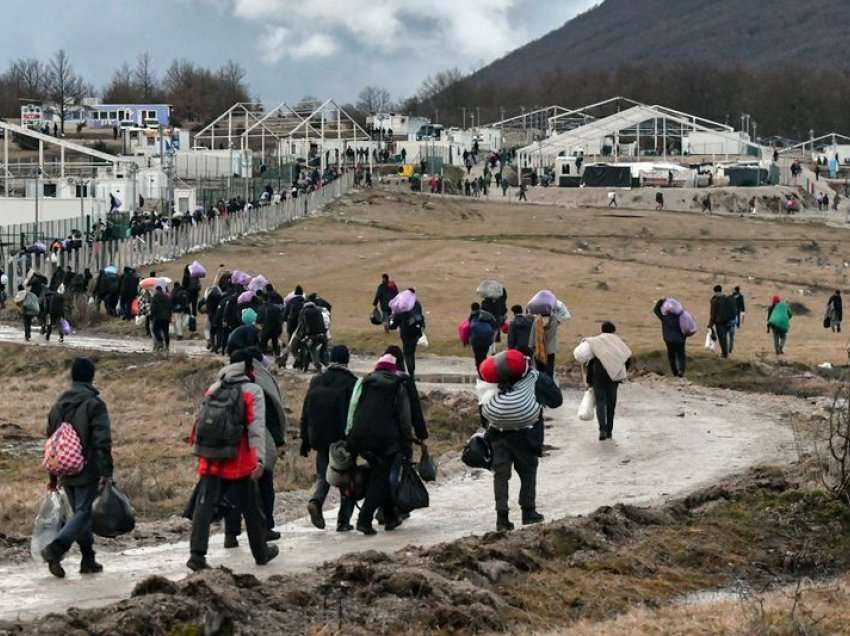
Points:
583	353
710	342
543	303
687	324
426	468
408	490
245	298
376	317
52	514
258	283
112	514
403	303
64	327
490	289
464	331
423	341
587	407
478	453
671	306
196	270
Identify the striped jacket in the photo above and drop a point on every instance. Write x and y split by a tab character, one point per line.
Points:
515	408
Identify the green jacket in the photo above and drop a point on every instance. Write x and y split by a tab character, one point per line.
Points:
779	317
82	407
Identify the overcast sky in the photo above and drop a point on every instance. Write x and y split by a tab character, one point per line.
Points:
290	48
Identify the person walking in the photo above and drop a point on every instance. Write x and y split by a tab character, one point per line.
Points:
607	360
835	311
523	189
231	462
179	309
245	336
740	305
723	312
521	332
546	345
659	200
82	407
161	319
272	324
55	314
324	416
380	430
513	416
30	308
505	185
387	290
411	327
192	286
482	331
779	322
674	339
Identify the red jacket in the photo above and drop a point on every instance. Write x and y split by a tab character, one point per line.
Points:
251	448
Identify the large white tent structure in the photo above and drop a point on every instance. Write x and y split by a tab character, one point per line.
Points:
623	128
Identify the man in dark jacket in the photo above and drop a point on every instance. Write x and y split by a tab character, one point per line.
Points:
210	304
55	312
292	311
723	315
192	286
521	332
272	320
741	306
674	339
179	309
381	432
129	289
835	311
161	319
82	407
323	419
483	327
386	291
498	307
411	326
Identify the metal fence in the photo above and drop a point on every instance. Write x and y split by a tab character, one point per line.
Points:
166	245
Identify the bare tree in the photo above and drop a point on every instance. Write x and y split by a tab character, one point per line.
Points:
64	86
121	88
145	79
436	84
373	99
30	77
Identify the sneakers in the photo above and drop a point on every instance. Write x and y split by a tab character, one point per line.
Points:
368	530
54	562
89	566
271	552
196	563
503	522
531	516
230	541
272	535
316	515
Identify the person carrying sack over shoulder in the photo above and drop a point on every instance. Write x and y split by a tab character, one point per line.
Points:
779	322
512	412
82	408
229	439
606	359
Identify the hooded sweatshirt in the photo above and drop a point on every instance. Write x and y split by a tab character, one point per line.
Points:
252	448
82	407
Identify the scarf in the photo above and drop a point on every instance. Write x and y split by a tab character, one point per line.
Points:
540	352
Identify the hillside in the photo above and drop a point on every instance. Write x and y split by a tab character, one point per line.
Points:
722	32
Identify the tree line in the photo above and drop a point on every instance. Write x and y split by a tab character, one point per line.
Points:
196	93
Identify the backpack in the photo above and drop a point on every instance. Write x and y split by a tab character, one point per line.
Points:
63	452
30	304
519	333
515	409
220	423
481	333
314	322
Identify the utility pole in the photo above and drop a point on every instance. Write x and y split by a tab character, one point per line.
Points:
463	110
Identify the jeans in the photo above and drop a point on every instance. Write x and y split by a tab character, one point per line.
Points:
378	493
605	392
779	339
408	348
78	527
722	332
511	450
27	327
322	488
265	490
676	357
242	493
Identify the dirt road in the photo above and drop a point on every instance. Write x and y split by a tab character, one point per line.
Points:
670	438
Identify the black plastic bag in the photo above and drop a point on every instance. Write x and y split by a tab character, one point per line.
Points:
376	317
112	514
478	453
427	469
409	492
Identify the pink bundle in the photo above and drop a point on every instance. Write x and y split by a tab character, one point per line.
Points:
196	270
239	277
543	303
671	306
258	283
403	303
245	298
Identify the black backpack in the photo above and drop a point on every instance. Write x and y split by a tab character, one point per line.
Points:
220	423
313	321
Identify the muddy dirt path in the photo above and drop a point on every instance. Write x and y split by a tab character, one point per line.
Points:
670	439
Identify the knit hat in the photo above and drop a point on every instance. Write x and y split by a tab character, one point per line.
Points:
249	316
386	363
507	366
775	300
82	370
340	355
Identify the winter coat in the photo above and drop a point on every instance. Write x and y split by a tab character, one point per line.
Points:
211	303
498	307
723	310
82	407
129	286
272	318
276	422
179	301
384	294
243	337
835	309
482	328
670	329
550	333
325	411
160	306
410	324
292	312
380	416
417	417
739	302
55	305
521	334
252	447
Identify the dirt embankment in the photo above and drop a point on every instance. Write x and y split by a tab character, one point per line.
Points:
763	529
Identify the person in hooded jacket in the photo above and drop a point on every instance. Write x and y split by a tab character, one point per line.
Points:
272	321
674	340
276	424
192	286
513	417
82	407
231	315
291	316
483	327
246	336
238	475
323	420
379	429
498	308
55	313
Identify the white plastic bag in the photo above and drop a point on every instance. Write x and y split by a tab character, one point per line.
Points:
52	514
710	343
423	341
583	353
587	407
